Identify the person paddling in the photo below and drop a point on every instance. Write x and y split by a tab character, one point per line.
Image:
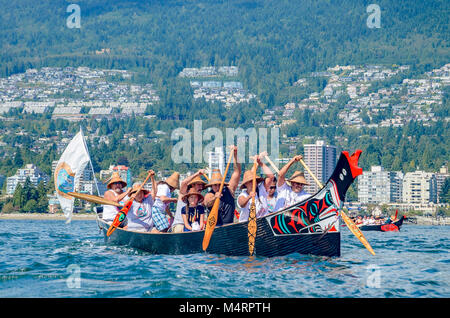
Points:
193	212
293	193
114	193
160	209
194	181
227	202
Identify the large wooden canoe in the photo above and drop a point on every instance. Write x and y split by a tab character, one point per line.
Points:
307	227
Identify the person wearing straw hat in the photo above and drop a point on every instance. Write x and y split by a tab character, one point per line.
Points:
260	195
293	193
160	209
227	202
193	212
194	181
114	193
139	217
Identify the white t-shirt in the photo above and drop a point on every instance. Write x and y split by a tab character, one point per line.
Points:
275	203
260	204
289	197
163	190
178	217
110	211
140	215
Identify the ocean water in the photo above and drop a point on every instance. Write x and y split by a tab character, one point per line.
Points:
42	258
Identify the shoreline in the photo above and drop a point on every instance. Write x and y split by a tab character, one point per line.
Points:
46	216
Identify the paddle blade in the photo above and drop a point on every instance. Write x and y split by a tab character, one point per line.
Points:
211	224
252	227
357	232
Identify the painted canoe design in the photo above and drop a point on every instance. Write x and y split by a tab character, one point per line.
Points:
307	227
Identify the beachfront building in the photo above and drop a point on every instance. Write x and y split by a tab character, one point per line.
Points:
321	159
419	187
379	186
33	173
440	180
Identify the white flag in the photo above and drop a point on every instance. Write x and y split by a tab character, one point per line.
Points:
71	164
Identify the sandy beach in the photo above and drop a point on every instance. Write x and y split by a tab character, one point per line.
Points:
45	216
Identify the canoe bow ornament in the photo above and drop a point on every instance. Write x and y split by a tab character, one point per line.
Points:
319	213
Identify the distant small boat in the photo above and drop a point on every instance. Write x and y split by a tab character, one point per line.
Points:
391	227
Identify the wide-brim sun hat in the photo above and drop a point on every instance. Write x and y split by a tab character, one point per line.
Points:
248	176
174	180
298	177
216	179
192	192
115	177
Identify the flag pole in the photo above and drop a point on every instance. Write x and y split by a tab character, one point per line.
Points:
90	161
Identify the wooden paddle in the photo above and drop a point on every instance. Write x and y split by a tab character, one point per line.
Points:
93	199
252	226
124	211
350	224
212	217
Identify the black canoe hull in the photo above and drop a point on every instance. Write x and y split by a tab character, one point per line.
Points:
398	223
307	227
228	240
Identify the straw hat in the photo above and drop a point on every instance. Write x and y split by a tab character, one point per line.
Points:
216	178
192	192
248	176
174	180
299	177
197	179
136	186
115	177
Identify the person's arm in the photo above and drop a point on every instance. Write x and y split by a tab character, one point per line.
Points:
266	170
108	195
209	199
236	176
202	221
284	170
186	223
154	186
243	200
185	182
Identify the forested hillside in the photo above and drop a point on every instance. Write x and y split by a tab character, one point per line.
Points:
272	41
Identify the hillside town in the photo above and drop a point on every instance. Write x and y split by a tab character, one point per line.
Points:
75	93
390	105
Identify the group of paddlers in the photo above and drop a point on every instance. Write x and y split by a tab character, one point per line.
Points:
150	210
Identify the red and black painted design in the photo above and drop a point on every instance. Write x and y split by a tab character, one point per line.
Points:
303	215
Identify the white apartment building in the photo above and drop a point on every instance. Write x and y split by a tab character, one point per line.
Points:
379	186
419	187
30	171
216	160
321	159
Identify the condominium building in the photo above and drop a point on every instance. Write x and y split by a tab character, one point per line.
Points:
440	180
321	159
216	160
419	187
379	186
33	173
